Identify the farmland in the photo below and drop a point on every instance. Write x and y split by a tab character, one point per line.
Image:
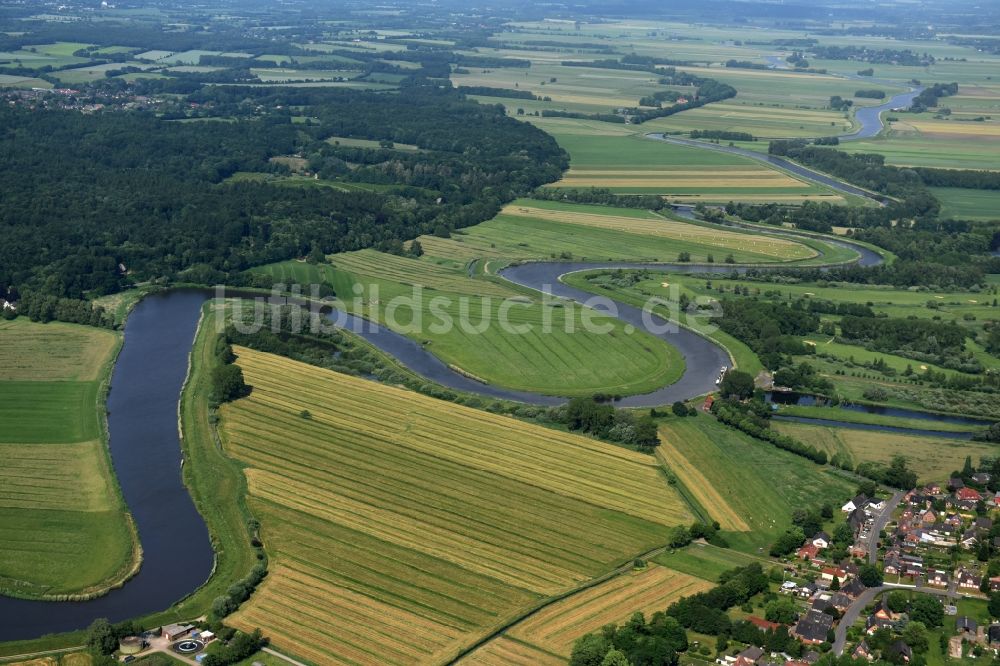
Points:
933	458
751	481
537	229
487	329
63	527
552	630
629	163
385	509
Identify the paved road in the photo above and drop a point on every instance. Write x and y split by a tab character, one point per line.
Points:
868	596
878	524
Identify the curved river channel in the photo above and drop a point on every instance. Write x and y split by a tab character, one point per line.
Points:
145	445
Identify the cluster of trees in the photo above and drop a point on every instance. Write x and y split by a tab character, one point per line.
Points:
870	94
497	92
705	612
602	196
745	418
227	377
709	90
876	56
103	637
772	330
600	117
896	474
604	421
746	64
682	535
722	135
152	195
659	97
965	178
240	647
655	642
922	339
928	97
238	592
838	103
45	308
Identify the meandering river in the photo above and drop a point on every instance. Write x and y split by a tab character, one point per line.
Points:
150	371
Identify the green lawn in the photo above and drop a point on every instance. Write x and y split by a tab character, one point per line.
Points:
705	560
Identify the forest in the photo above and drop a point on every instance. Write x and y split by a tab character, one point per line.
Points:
120	198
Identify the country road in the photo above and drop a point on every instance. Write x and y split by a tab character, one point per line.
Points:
878	524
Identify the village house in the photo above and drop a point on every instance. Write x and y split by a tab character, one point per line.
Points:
969	580
812	627
853	588
858	502
831	573
873	624
993	635
995	584
938	578
982	478
969	540
966	625
955	483
807	552
821	540
174	631
967	495
900	652
928	517
862	651
763	624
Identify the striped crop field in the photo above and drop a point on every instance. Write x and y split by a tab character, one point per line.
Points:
535	229
404	270
504	651
63	527
556	627
402	528
658	226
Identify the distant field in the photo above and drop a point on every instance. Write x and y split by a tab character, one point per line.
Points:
555	628
503	651
629	163
748	479
63	528
72	659
933	458
907	147
402	527
966	204
531	228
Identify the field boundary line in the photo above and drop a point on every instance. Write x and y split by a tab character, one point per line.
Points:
534	610
11	658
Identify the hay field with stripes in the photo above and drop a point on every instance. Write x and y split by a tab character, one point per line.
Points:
539	229
402	528
651	225
556	627
63	528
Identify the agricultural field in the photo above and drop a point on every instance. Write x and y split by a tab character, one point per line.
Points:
963	204
64	529
933	458
401	528
633	164
536	229
652	589
553	630
71	659
707	561
749	486
489	330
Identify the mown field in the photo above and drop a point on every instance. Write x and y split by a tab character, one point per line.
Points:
652	589
966	204
72	659
630	163
63	526
741	480
401	527
536	229
706	561
933	458
486	328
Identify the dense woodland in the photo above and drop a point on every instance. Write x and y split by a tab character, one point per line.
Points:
94	202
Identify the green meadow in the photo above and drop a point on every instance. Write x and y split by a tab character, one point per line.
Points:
64	529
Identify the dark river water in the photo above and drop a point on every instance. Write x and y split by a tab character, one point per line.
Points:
145	449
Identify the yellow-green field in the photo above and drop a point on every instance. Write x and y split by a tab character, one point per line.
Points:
652	589
933	458
64	529
401	528
72	659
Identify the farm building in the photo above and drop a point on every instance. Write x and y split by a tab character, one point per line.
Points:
174	631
